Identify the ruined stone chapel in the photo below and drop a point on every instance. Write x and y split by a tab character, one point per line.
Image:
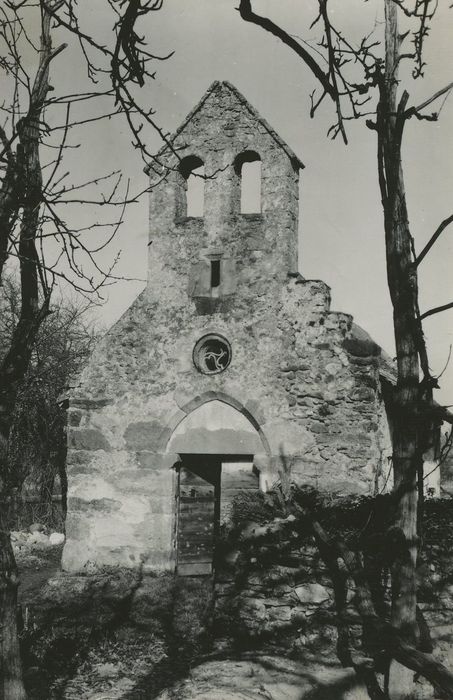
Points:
229	366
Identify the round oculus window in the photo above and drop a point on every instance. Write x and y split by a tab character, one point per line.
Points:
212	354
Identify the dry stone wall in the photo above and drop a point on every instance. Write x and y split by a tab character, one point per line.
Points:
276	591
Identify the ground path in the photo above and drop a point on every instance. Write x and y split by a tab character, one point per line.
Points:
265	678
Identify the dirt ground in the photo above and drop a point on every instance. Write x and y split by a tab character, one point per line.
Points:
116	666
36	565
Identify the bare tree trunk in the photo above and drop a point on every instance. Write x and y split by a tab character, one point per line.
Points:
15	364
414	415
407	457
11	686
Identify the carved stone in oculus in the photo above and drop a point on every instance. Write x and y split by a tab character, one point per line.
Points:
212	354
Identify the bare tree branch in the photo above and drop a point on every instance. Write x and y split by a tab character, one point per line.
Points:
436	310
414	110
247	14
438	232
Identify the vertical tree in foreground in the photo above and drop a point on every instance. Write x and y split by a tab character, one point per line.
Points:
362	79
41	203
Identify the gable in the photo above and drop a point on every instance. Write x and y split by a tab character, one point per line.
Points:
225	91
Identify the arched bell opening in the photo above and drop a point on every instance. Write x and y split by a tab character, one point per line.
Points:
247	166
192	178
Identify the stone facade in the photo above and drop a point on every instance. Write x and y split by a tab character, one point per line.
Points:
302	392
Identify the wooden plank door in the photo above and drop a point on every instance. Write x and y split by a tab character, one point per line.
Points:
198	513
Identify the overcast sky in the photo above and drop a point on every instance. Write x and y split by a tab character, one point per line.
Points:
341	227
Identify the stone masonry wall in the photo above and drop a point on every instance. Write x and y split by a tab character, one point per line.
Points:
305	377
308	385
276	590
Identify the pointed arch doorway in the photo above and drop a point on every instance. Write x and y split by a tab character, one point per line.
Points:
216	445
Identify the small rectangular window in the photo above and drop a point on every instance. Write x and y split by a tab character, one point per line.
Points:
215	273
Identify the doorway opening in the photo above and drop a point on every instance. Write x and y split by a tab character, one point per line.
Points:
206	487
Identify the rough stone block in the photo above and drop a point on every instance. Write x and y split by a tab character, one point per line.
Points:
364	393
174	417
361	347
144	435
91	488
143	482
312	593
100	505
254	408
90	404
183	398
74	417
75	458
149	460
87	439
77	555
